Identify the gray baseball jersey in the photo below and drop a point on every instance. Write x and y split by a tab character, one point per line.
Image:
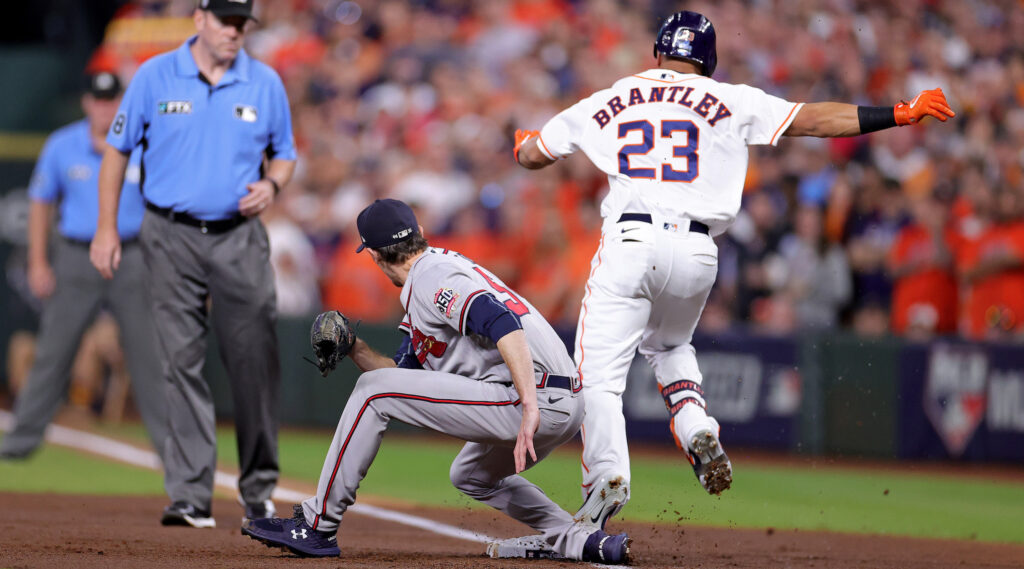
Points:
441	287
464	390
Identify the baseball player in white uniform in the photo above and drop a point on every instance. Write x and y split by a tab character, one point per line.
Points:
673	142
479	363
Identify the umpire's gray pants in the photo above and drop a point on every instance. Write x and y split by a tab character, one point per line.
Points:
232	269
487	415
79	293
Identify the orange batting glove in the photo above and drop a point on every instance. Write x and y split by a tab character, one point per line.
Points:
521	137
926	103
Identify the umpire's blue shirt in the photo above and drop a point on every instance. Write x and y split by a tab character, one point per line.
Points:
68	171
202	144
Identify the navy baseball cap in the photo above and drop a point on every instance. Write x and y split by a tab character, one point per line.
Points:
103	85
385	222
228	7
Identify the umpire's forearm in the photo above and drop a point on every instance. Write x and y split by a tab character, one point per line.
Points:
40	215
111	179
368	359
280	171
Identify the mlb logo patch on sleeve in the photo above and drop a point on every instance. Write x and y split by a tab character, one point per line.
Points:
246	112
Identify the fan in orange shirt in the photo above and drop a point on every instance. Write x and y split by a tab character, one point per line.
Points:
924	298
992	266
354	286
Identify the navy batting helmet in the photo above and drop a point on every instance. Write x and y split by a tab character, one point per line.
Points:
689	36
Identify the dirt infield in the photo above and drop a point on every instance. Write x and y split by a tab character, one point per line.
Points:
91	531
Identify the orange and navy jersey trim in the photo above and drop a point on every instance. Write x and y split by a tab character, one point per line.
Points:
785	123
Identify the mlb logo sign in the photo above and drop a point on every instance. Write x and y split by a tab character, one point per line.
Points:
246	113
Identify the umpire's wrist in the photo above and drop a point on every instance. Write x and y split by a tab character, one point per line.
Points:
273	182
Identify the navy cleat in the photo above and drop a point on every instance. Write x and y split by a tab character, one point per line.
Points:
710	463
293	535
607	549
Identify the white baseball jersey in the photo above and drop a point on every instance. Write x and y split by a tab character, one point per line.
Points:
437	295
671	143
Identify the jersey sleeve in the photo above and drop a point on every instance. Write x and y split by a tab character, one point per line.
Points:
133	115
563	134
44	185
763	117
446	296
282	140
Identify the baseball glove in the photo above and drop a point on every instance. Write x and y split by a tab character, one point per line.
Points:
332	338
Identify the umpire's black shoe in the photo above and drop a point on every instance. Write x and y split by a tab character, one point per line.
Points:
607	549
257	510
294	535
185	514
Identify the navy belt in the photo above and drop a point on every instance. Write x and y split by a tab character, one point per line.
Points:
556	381
212	226
695	226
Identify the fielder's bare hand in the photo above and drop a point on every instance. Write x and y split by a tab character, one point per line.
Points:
524	440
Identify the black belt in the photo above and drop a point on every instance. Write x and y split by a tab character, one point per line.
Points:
556	381
211	226
88	242
695	226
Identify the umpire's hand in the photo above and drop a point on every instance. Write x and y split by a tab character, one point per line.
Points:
105	251
260	196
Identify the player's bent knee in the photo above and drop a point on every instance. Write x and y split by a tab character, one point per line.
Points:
466	483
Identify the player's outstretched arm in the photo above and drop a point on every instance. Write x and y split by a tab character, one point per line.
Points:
516	353
526	152
842	119
367	358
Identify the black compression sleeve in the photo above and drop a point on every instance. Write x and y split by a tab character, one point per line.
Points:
875	118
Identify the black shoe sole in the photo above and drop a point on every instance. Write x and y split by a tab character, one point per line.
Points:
283	547
179	520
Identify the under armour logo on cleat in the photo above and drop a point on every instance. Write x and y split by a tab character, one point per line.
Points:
301	533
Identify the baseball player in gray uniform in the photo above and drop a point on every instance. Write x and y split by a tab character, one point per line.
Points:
478	363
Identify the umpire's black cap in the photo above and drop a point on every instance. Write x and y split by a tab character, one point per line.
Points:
385	222
228	7
103	85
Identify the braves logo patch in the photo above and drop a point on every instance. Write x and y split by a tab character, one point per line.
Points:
445	300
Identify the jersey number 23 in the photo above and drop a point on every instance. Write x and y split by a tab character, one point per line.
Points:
685	156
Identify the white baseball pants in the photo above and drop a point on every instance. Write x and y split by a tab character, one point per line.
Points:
647	288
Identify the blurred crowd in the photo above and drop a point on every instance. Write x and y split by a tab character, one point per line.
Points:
916	231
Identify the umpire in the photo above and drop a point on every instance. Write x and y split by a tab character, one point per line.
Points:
216	137
65	179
